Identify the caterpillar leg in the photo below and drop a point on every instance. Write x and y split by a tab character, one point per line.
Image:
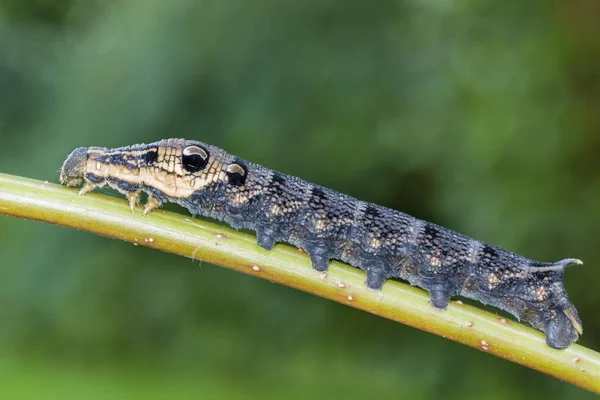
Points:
375	279
560	332
266	237
319	260
321	253
133	198
88	187
440	296
151	204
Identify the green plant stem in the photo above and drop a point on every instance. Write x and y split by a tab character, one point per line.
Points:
203	240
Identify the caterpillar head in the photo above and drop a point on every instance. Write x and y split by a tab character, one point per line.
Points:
177	168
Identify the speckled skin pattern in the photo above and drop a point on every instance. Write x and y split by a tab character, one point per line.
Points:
384	243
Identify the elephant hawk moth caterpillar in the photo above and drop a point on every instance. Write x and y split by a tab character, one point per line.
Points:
327	225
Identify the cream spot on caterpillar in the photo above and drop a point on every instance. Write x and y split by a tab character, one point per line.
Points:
375	243
276	210
493	280
435	262
239	198
540	293
321	225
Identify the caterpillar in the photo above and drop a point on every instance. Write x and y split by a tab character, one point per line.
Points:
327	225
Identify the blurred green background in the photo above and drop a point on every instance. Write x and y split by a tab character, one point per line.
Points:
480	116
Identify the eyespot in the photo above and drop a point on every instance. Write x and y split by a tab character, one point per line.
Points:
194	158
237	173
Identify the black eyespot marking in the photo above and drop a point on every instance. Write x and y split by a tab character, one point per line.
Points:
151	157
194	158
237	173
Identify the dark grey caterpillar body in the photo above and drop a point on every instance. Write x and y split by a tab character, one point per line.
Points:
385	243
